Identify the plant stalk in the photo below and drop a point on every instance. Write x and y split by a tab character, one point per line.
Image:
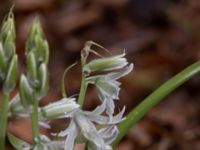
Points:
153	99
83	89
34	118
84	85
3	119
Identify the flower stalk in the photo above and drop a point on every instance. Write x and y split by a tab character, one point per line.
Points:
34	118
3	119
84	84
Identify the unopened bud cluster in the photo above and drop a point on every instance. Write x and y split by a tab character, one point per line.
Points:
37	55
8	57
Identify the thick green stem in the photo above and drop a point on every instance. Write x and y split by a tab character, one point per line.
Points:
84	85
136	114
82	91
34	117
3	120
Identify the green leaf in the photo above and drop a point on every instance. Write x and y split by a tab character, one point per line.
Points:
18	143
153	99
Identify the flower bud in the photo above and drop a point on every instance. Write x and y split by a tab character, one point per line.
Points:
60	108
8	26
32	69
35	30
105	64
43	78
3	64
26	92
42	50
9	46
11	76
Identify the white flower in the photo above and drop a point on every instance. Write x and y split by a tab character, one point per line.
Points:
83	123
108	88
44	143
106	64
58	109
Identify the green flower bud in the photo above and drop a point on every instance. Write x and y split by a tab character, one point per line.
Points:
32	69
42	50
11	76
46	51
26	92
105	64
60	108
3	64
9	46
8	26
35	30
43	78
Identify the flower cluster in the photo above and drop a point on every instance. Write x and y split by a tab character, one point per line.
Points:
35	83
97	129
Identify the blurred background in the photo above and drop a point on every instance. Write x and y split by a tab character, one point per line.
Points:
161	37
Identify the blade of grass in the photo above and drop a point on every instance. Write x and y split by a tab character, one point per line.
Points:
136	114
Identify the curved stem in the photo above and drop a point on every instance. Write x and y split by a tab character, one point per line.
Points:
136	114
34	118
3	119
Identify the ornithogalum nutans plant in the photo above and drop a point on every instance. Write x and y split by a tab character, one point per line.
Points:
99	129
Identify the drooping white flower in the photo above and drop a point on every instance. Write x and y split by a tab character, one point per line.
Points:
59	109
84	123
108	87
106	64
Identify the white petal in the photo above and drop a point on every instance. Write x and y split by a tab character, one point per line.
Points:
109	133
98	110
104	120
123	72
71	132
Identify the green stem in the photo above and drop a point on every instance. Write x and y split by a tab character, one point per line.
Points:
84	84
34	117
136	114
82	93
3	119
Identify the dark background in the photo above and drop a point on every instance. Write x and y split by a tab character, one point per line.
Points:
161	37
